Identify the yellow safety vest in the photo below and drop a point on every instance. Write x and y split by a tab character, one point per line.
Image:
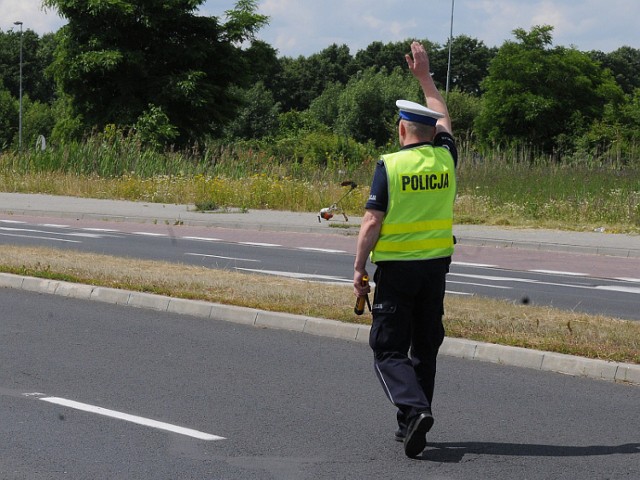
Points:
418	224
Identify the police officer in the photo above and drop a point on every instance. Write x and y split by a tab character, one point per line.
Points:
407	232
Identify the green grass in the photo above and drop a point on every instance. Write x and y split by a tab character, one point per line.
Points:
557	195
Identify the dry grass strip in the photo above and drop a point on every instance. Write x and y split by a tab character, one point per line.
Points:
475	318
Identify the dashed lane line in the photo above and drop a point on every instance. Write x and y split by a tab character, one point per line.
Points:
299	275
202	239
192	254
468	264
37	237
259	244
556	272
147	422
150	234
321	250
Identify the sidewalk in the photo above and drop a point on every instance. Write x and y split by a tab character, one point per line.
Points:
114	210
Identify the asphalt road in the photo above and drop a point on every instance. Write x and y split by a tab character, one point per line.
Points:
586	283
288	406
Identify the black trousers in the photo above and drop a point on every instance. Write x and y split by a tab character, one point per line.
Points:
407	331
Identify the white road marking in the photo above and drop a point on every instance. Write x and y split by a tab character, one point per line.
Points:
556	272
258	244
52	225
104	230
13	222
62	234
613	288
451	292
85	235
500	287
150	234
203	239
29	230
323	250
494	278
39	238
467	264
147	422
632	280
221	257
298	275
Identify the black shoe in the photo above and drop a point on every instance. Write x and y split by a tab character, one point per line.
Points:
400	435
416	440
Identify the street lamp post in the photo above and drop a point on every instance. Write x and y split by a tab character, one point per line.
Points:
450	45
20	114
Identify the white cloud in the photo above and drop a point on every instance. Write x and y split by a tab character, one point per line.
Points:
31	14
550	13
586	24
373	22
303	27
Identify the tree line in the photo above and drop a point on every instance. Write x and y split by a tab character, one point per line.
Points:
173	78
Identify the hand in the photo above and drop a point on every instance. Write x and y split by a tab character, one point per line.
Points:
419	64
360	290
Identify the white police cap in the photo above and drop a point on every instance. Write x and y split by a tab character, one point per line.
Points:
414	112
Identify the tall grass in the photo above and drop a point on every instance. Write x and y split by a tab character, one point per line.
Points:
511	188
506	187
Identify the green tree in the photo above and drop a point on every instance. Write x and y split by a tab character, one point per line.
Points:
366	108
617	132
68	123
258	116
380	55
44	89
624	63
37	55
470	59
115	58
303	79
325	108
630	113
262	63
539	95
8	117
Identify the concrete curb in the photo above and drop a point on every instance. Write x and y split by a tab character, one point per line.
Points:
543	361
455	347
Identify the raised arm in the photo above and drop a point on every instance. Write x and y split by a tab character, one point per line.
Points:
418	63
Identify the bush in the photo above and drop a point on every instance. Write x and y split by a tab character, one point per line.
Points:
463	109
155	129
37	120
331	151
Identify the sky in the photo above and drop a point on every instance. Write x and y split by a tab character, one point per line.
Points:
305	27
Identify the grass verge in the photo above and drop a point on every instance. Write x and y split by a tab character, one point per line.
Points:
474	318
